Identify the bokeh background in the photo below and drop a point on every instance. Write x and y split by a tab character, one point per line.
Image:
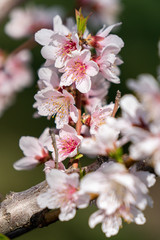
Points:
140	31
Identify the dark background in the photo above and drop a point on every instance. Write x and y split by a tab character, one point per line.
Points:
140	31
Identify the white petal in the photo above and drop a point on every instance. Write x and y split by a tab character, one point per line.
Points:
83	200
56	178
43	36
84	85
49	52
73	113
92	69
25	163
30	146
67	214
96	218
111	225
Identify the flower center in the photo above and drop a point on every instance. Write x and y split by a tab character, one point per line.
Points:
69	47
67	145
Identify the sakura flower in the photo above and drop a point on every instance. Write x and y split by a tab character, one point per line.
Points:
49	165
112	223
35	151
25	22
107	62
79	70
148	90
145	145
99	116
61	48
133	118
120	195
63	194
51	102
67	142
103	39
58	44
104	141
13	69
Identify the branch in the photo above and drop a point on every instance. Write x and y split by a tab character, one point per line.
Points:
7	5
20	213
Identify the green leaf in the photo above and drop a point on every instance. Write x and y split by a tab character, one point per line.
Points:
2	237
81	22
117	155
78	156
82	173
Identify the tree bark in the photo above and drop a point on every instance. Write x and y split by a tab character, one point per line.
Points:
20	213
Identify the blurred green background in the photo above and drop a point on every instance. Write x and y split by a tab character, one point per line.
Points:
140	32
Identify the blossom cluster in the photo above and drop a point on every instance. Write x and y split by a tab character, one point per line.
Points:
73	84
15	74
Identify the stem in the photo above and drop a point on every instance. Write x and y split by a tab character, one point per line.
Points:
116	105
78	105
79	123
51	132
29	44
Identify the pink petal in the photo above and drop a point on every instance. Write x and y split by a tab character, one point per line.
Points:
92	69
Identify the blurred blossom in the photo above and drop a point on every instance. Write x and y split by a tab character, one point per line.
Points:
104	11
15	75
26	21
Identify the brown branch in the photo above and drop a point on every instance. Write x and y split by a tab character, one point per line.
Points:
20	213
79	106
116	105
79	122
29	44
7	5
52	134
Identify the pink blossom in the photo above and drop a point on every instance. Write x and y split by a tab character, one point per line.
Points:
79	70
13	69
145	145
104	141
35	151
67	142
61	48
103	39
148	90
107	62
49	165
51	102
59	42
121	194
63	194
24	22
99	116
